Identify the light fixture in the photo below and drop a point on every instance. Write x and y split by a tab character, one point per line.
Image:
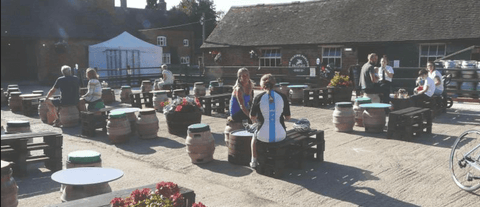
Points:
253	54
318	61
348	49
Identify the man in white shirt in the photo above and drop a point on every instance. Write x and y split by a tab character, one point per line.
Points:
424	91
436	76
385	74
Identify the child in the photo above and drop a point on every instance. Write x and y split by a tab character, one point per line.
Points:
424	91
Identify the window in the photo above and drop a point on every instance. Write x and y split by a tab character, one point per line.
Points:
270	57
185	60
121	59
166	58
332	56
162	41
185	42
430	52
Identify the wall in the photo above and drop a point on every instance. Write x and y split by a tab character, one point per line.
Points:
174	43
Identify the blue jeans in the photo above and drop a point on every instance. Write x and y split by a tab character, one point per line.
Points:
437	92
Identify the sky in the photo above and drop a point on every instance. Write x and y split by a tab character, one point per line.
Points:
220	5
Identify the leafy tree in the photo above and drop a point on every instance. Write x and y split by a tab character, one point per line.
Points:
194	10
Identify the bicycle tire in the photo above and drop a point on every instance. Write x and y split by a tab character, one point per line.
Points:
460	170
449	102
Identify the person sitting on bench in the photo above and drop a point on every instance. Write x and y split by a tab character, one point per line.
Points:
69	86
436	76
167	78
242	96
94	94
425	91
272	109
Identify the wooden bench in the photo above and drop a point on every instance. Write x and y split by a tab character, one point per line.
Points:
16	149
218	103
94	120
317	96
409	122
138	99
274	157
103	200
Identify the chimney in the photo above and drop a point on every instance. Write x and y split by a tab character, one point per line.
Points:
123	3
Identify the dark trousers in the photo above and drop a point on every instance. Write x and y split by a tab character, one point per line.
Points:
385	89
417	100
374	90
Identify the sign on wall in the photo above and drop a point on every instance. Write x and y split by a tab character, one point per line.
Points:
299	65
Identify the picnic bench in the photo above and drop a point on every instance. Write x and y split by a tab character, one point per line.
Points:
317	96
15	148
138	99
409	122
103	200
274	157
218	103
94	120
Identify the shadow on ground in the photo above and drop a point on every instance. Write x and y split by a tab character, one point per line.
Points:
338	182
38	181
224	167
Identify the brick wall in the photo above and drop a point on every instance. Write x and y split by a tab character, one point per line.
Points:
174	43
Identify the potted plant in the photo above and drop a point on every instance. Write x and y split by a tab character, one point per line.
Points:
342	88
181	113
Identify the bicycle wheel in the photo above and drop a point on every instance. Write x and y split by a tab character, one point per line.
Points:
465	160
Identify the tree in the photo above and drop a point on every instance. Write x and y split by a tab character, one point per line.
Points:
156	4
194	10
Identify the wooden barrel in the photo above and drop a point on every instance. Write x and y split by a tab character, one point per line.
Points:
118	127
10	90
38	92
69	116
343	117
108	96
231	126
146	86
179	93
160	99
373	119
296	93
178	122
30	104
15	101
200	143
4	97
239	147
359	111
125	94
17	126
83	158
284	88
199	89
9	186
13	86
147	124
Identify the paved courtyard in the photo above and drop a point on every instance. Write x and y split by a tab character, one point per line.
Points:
360	169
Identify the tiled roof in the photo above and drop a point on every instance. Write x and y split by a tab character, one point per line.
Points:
347	21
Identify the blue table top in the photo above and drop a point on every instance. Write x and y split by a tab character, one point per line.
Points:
86	175
375	105
125	110
297	86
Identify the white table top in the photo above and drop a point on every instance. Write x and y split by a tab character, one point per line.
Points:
86	175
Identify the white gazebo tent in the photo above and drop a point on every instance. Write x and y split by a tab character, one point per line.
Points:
122	50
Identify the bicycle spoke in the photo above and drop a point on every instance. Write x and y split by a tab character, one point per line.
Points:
464	160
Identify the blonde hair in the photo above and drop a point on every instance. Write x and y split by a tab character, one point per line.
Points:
92	73
239	74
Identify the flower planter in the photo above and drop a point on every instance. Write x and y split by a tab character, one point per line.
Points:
342	94
178	122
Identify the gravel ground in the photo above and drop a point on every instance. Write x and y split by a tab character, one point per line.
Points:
360	169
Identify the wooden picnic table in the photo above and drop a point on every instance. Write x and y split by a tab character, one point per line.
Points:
210	102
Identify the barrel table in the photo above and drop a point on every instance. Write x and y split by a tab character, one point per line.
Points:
82	158
239	147
374	116
160	98
130	114
15	101
200	143
146	86
69	116
343	117
147	124
199	89
296	93
231	126
30	104
9	187
84	182
359	111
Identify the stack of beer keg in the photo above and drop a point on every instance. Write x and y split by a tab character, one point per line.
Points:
469	77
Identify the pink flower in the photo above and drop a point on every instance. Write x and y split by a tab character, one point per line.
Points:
177	199
199	204
179	108
117	202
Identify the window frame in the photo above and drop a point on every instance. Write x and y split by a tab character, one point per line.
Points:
159	41
274	59
167	56
186	42
185	60
335	56
428	56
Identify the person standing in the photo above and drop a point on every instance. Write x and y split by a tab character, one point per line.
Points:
167	77
69	88
424	91
242	96
94	94
368	80
385	74
270	109
436	76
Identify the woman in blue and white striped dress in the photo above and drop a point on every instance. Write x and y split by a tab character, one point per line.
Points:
270	109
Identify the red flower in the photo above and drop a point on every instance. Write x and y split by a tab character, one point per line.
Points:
179	108
197	101
167	189
177	199
199	204
139	196
117	202
184	102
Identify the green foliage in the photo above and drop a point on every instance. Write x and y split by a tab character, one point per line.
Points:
340	81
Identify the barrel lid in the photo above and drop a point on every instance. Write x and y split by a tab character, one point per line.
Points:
147	111
198	128
15	93
284	83
84	156
145	81
363	100
116	114
178	90
344	104
198	83
375	105
241	133
125	87
18	123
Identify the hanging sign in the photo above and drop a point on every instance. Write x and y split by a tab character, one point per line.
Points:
299	65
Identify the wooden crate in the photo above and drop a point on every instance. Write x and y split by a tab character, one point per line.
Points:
406	123
138	99
218	103
317	96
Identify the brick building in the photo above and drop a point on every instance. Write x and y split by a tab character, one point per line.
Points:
278	38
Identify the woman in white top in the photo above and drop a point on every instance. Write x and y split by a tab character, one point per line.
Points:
436	76
385	74
167	77
424	91
94	94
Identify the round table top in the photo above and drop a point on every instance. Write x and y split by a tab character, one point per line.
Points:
125	110
375	105
297	86
86	175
